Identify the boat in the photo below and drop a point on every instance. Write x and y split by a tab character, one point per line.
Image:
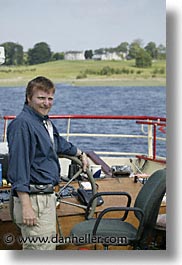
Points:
118	171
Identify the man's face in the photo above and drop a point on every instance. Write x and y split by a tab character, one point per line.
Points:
41	101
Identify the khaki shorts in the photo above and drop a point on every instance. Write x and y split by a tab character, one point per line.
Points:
38	236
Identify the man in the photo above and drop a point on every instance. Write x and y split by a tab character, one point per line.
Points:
34	145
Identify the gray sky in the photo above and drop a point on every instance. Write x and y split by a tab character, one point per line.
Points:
82	24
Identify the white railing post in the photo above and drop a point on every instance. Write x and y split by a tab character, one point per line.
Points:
5	130
150	140
68	129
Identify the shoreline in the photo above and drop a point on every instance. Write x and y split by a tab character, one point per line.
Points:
121	82
19	81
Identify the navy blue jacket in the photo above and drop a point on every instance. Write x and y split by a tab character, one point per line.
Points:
32	157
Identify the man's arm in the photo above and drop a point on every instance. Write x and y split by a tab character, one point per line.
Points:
28	214
83	157
21	145
67	148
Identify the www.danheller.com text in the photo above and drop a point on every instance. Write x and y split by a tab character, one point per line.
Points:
10	239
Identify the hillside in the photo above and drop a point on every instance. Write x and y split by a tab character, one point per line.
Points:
110	73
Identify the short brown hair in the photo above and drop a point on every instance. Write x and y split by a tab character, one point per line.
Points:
41	83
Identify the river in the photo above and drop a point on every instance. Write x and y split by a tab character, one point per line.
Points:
150	101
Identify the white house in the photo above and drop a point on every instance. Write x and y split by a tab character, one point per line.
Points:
74	55
109	56
2	55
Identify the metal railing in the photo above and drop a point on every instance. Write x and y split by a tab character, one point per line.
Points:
152	123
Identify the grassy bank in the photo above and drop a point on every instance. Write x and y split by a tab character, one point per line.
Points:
92	73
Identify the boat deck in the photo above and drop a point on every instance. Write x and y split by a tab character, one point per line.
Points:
69	215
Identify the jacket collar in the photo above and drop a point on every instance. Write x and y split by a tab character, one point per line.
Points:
34	113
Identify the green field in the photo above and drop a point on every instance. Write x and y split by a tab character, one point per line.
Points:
87	73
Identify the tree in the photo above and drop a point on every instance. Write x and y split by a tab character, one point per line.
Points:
143	59
123	47
40	53
134	48
18	56
88	54
161	52
58	56
152	50
14	53
99	51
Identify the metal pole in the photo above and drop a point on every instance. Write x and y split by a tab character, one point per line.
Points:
150	142
68	128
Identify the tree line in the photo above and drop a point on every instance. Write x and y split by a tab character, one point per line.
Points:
41	53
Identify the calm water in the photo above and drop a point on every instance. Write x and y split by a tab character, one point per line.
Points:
149	101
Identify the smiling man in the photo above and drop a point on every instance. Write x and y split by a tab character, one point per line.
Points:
34	169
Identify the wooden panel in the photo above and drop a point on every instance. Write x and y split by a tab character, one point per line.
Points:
69	215
9	234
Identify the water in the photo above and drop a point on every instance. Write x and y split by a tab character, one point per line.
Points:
150	101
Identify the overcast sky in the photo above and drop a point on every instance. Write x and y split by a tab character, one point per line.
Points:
82	24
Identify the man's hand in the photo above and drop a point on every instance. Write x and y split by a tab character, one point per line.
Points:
83	157
85	162
28	214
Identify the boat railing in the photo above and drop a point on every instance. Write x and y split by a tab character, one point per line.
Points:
149	127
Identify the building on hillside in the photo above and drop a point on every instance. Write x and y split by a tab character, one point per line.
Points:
74	55
2	55
109	56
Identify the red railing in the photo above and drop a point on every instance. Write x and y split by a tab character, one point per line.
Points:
111	117
151	121
161	128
